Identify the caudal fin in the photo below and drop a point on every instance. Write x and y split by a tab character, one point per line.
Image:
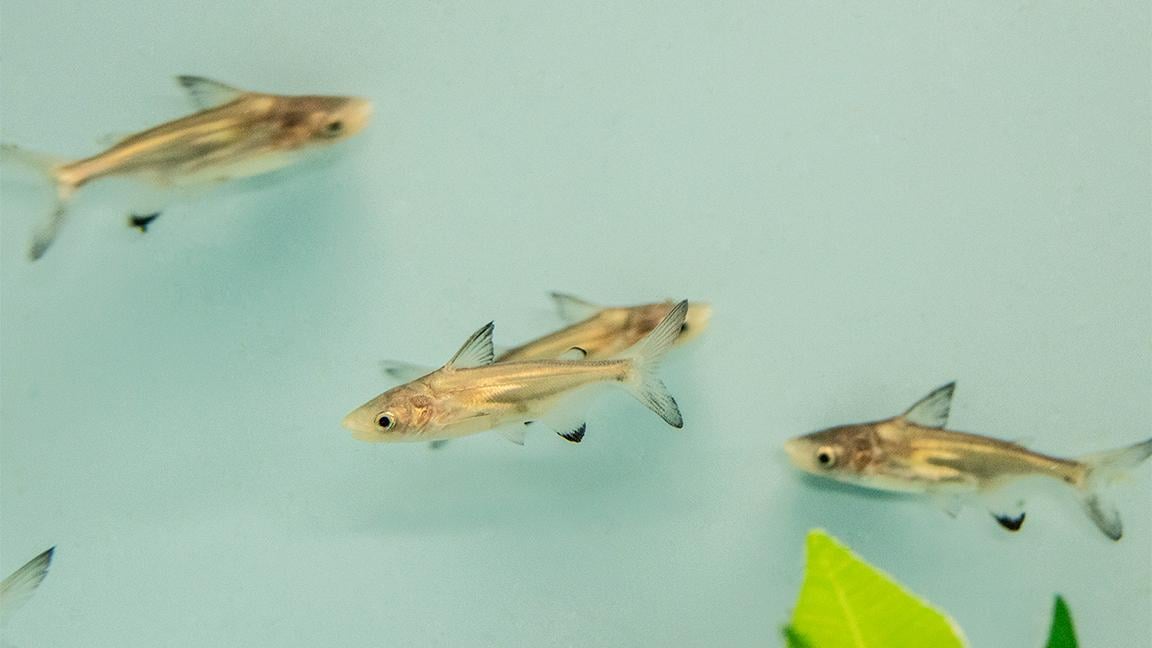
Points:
646	356
18	588
48	167
1101	470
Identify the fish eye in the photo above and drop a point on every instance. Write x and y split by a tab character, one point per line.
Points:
334	127
826	457
385	421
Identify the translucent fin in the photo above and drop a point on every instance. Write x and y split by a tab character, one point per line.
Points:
573	309
19	587
142	221
646	356
45	233
932	410
514	433
567	418
1101	470
403	371
476	352
108	140
1010	521
206	93
950	504
437	444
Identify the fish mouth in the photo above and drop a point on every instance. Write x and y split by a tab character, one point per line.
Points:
798	452
357	114
352	423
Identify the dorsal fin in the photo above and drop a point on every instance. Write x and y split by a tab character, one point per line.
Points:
206	93
476	352
573	309
932	410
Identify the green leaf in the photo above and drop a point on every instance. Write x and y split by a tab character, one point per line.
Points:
1063	633
845	602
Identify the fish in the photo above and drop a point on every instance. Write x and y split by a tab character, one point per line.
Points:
17	588
914	453
234	134
597	331
472	393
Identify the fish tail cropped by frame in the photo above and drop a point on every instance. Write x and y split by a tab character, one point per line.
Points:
1101	470
48	167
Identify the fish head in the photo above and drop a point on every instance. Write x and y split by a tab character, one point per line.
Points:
398	415
844	453
325	120
642	319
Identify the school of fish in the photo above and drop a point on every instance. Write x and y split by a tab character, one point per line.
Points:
550	381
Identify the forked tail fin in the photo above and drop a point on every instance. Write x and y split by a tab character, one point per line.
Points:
1101	470
646	356
49	167
19	586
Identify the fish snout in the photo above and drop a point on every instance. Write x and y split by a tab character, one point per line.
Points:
357	113
798	452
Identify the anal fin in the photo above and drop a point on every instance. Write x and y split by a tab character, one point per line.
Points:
576	435
142	221
1012	522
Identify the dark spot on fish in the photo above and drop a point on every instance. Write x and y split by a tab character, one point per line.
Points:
1009	522
142	221
437	444
575	436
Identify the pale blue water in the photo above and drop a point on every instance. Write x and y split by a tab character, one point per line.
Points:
876	198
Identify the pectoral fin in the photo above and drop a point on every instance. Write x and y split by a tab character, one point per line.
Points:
404	371
573	309
514	433
950	504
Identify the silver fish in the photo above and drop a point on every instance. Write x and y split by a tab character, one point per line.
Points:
22	583
595	332
471	394
235	134
913	453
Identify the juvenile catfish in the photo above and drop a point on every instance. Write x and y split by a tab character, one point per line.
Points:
471	394
913	453
235	134
598	331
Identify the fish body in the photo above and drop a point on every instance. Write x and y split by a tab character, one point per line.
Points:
18	587
236	134
605	331
472	394
914	453
597	332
